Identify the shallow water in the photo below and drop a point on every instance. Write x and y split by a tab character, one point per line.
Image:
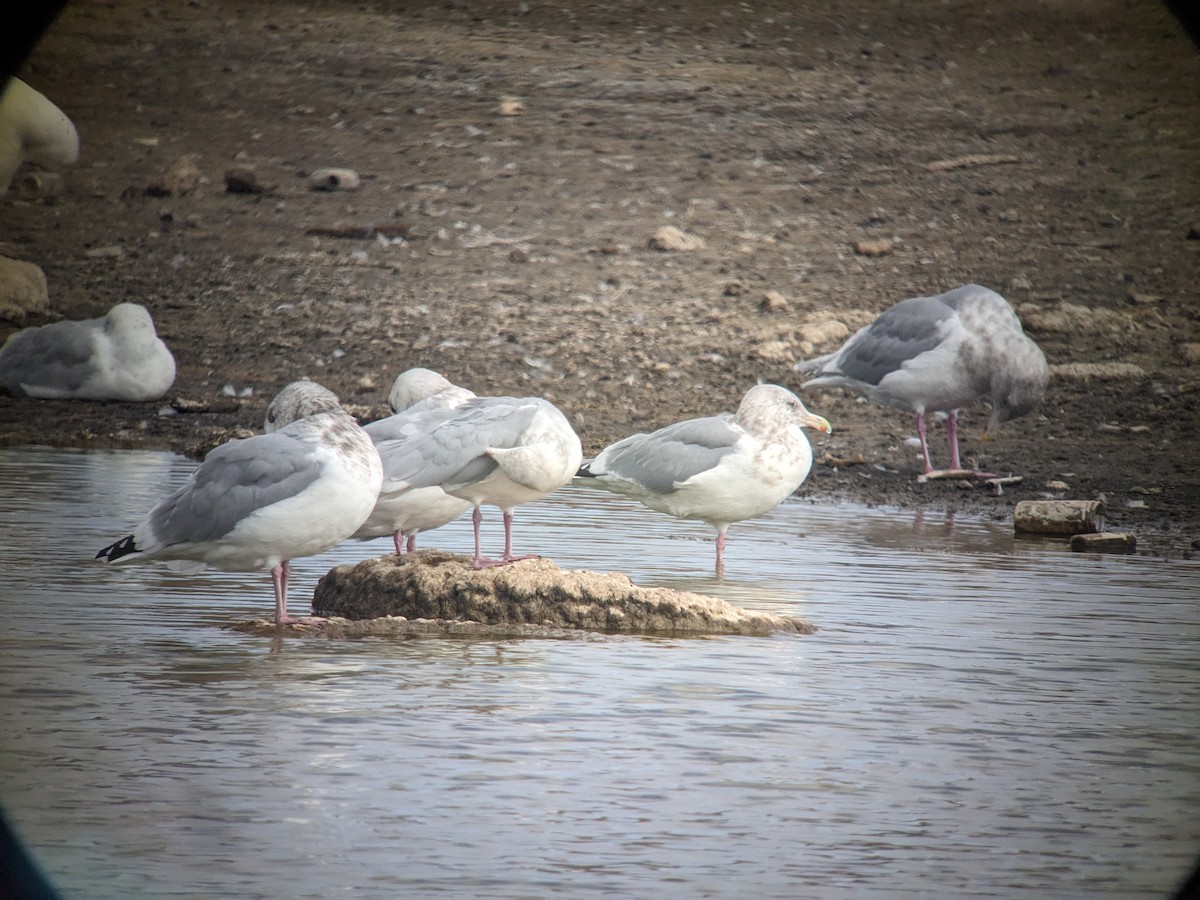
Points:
975	716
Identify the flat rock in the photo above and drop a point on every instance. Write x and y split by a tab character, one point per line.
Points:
434	591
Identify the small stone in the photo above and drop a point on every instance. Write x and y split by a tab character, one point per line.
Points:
333	180
670	238
773	301
881	247
774	351
1057	486
244	180
23	289
517	255
1108	542
1058	516
1190	351
1139	299
510	106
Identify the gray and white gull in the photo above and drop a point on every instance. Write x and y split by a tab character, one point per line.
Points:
115	357
939	354
256	503
420	399
499	451
718	469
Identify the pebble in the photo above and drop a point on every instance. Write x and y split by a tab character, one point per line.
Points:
1108	542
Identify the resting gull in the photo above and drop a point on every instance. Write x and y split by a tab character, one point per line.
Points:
421	399
939	354
502	451
719	469
116	357
256	503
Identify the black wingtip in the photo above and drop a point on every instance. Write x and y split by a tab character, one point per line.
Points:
123	547
584	471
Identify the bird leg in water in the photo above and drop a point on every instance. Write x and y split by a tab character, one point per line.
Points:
720	552
279	577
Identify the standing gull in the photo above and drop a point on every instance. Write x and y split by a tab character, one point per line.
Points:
33	130
256	503
425	386
421	399
115	357
415	390
939	354
502	451
719	469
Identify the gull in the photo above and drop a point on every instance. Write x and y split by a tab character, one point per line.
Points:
421	399
939	354
33	130
424	386
718	469
257	503
500	451
115	357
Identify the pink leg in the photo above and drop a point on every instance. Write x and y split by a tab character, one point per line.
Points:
481	563
279	577
412	542
720	551
398	541
952	437
476	519
924	443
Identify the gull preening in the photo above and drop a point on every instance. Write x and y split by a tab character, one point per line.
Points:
420	399
718	469
939	354
256	503
499	451
116	357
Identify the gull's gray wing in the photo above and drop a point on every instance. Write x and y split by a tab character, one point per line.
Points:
235	480
903	332
49	362
661	461
451	453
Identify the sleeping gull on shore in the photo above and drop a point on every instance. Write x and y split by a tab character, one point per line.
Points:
115	357
939	354
499	451
258	502
421	399
719	469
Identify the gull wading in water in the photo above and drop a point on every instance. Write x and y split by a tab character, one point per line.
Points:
115	357
420	399
256	503
719	469
939	354
499	451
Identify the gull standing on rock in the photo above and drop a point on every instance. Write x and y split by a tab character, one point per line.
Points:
719	469
502	451
256	503
415	390
939	354
421	400
116	357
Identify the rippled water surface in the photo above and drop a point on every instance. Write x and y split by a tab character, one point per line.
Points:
973	717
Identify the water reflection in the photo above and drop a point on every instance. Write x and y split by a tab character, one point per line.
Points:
968	719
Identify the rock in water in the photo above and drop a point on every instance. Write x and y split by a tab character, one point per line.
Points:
535	594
